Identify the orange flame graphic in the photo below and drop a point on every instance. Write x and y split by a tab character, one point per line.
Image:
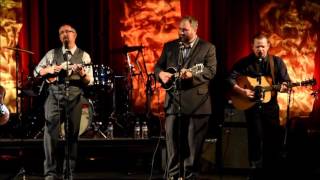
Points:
291	39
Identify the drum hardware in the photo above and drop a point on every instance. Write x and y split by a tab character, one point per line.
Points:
38	134
114	116
4	112
148	78
102	77
315	93
93	126
131	68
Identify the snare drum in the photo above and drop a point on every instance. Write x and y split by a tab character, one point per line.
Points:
102	76
86	118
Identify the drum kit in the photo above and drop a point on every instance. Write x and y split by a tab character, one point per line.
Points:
108	99
98	106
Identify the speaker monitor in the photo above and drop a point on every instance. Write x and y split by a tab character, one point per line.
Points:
234	147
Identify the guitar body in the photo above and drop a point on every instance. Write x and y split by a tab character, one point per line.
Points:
171	83
242	102
263	90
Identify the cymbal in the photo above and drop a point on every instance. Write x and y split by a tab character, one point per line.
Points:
19	49
127	49
116	76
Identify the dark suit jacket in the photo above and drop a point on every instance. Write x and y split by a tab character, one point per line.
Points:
195	95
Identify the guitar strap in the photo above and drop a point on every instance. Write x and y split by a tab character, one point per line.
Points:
271	61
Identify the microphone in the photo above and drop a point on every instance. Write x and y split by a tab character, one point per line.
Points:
260	58
66	43
181	43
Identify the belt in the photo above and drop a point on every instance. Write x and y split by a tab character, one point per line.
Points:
75	83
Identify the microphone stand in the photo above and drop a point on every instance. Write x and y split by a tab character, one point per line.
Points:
67	118
178	92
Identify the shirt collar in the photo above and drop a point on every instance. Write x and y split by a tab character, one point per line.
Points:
193	42
72	50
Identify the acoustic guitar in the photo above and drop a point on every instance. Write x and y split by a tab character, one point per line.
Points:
198	68
262	90
67	66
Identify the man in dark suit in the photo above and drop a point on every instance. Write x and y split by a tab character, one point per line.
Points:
188	103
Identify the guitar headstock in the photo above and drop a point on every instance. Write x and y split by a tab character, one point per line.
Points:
198	68
309	82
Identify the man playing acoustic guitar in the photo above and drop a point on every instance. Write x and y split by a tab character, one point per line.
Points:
67	70
264	130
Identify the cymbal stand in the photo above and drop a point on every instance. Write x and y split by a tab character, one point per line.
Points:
149	90
149	93
113	116
19	102
96	125
129	83
287	126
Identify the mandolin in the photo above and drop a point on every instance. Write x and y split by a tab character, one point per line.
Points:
198	68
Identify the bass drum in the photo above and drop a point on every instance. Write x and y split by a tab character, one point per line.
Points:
86	117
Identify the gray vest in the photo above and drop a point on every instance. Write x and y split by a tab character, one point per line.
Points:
58	89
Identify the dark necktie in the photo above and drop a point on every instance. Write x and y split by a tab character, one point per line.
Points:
68	55
186	51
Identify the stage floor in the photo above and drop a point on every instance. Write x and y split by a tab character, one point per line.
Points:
139	159
99	158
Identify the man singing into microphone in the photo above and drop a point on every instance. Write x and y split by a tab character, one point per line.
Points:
188	105
61	104
264	130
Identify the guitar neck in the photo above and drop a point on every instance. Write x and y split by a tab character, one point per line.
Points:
176	74
66	66
278	86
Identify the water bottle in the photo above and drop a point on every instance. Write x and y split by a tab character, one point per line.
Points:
110	130
137	130
145	130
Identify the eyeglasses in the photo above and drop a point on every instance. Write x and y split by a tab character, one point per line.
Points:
66	31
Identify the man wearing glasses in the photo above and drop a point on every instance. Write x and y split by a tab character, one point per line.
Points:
66	72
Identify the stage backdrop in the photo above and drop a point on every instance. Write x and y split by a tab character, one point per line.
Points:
105	28
292	26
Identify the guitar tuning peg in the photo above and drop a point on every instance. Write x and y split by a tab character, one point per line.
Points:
315	93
